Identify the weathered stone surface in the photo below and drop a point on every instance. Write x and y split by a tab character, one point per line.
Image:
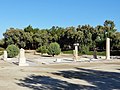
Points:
107	48
75	52
5	55
58	60
22	59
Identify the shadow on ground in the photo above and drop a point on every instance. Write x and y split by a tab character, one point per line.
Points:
47	83
102	80
46	56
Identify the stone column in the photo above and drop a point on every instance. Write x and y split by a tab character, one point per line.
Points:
95	53
107	48
74	55
5	55
76	51
22	59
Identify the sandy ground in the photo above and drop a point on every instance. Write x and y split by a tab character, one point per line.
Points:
98	75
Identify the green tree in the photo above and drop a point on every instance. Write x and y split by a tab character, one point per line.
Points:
116	41
12	36
69	37
98	37
28	40
109	28
40	38
28	29
85	37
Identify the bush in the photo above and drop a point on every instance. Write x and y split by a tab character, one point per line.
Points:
1	49
42	49
12	51
1	53
84	49
54	49
115	52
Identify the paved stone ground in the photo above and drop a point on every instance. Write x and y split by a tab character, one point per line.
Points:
94	75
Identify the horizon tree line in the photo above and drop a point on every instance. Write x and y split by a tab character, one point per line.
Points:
87	36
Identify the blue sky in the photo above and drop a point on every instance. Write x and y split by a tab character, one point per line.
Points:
64	13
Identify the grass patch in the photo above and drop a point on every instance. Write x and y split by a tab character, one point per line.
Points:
89	53
68	52
102	53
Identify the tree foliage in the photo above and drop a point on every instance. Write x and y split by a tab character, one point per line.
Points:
86	35
54	49
42	49
12	51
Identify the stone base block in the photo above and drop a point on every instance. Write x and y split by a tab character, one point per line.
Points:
58	60
23	64
107	58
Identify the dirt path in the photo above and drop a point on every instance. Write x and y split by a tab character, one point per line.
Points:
86	75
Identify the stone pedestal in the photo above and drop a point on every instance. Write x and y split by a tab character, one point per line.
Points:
107	48
5	55
22	59
58	60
